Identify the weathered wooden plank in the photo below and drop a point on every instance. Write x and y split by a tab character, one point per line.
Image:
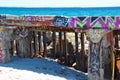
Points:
60	43
82	53
45	45
65	49
76	51
34	40
39	41
54	44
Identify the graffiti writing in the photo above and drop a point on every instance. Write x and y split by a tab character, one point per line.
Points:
98	22
30	19
44	18
3	17
112	23
20	32
94	61
60	21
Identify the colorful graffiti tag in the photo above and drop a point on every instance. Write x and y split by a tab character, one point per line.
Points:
108	22
95	22
3	17
60	21
38	20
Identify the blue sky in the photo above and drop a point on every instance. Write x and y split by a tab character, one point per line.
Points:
59	3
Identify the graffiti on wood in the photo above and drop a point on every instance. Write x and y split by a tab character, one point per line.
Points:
29	19
96	64
96	35
60	21
20	32
98	22
44	20
95	22
3	17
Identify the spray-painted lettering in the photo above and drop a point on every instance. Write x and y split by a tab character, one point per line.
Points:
60	21
95	23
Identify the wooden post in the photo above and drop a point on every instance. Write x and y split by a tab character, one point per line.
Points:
117	71
95	62
14	47
82	53
23	46
76	50
60	42
39	41
34	44
4	49
65	49
45	46
5	45
11	47
54	44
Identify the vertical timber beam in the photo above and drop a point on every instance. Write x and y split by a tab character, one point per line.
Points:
11	47
39	41
76	50
54	44
60	42
15	47
95	63
33	46
65	49
82	61
4	49
34	40
45	45
36	43
23	46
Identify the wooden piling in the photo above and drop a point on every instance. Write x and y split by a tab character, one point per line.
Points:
95	56
34	40
65	49
76	51
82	53
60	42
45	45
39	41
54	44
